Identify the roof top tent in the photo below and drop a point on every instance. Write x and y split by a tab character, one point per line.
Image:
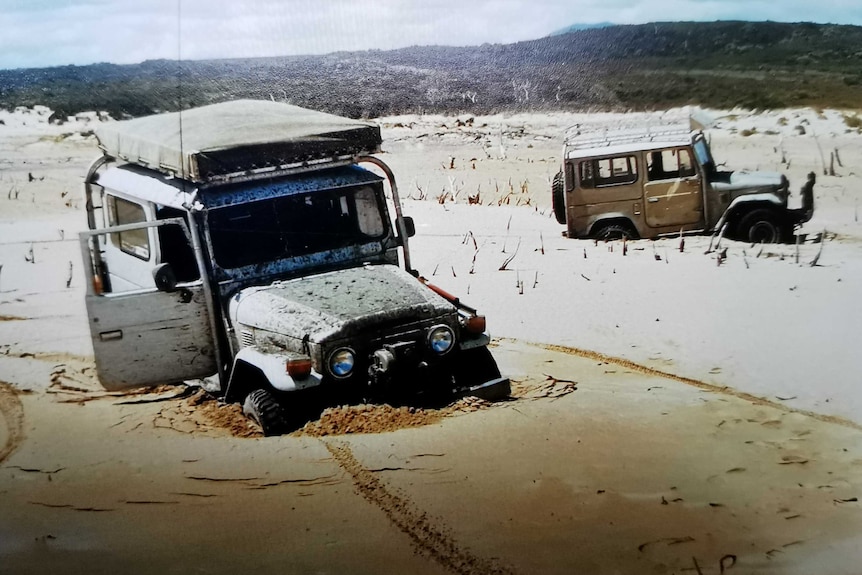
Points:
238	140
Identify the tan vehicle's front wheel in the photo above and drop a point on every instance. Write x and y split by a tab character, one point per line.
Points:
761	227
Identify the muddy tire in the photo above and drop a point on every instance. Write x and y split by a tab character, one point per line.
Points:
261	407
761	226
614	232
557	198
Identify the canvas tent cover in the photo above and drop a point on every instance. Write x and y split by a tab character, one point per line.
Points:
224	141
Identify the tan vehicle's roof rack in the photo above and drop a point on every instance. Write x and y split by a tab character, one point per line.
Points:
678	133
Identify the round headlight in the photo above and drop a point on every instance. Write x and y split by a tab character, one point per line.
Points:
341	362
441	339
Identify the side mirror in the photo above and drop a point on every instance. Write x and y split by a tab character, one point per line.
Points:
409	226
166	280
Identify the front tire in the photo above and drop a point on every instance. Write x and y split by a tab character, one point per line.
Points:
261	407
761	226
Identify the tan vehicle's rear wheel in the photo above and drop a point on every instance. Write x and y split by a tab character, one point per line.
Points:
615	232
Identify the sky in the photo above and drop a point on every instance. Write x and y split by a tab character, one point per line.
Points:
41	33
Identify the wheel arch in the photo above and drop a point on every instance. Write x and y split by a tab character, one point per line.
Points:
244	378
743	205
269	365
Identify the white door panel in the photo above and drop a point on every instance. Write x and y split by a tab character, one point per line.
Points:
144	336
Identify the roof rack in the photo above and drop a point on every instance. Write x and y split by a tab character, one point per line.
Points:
575	140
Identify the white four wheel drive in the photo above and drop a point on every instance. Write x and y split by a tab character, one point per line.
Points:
246	242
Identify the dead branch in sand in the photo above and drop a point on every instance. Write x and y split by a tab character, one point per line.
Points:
820	251
720	236
798	241
422	194
820	151
511	257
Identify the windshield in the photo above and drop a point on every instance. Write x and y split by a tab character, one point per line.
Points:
294	225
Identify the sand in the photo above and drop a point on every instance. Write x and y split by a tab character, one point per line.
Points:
670	413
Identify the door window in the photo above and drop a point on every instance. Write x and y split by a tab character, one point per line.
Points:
670	164
174	246
133	242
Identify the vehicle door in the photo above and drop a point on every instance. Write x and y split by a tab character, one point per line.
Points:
152	334
673	190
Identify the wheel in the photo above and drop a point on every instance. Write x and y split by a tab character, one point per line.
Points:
261	407
557	199
477	367
614	232
761	226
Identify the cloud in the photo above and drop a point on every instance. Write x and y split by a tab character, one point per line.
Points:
56	32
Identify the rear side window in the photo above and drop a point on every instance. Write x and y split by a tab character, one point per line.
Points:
134	242
617	171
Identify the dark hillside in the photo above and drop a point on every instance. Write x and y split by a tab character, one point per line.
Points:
718	64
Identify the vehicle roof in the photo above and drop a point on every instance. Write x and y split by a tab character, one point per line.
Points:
144	184
629	140
225	141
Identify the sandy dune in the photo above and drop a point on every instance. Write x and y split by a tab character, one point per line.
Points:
669	414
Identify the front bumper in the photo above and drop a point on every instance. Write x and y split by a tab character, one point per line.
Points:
491	390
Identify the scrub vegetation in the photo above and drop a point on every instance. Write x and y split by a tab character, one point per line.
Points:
724	65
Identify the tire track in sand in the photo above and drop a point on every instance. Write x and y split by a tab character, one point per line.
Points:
646	370
12	417
428	538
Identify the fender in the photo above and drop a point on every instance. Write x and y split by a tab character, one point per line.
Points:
270	362
764	198
481	340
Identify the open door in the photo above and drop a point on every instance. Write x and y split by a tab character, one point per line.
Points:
145	335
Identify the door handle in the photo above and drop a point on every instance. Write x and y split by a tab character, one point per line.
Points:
652	200
111	335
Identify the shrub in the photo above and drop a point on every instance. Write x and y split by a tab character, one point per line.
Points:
853	121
